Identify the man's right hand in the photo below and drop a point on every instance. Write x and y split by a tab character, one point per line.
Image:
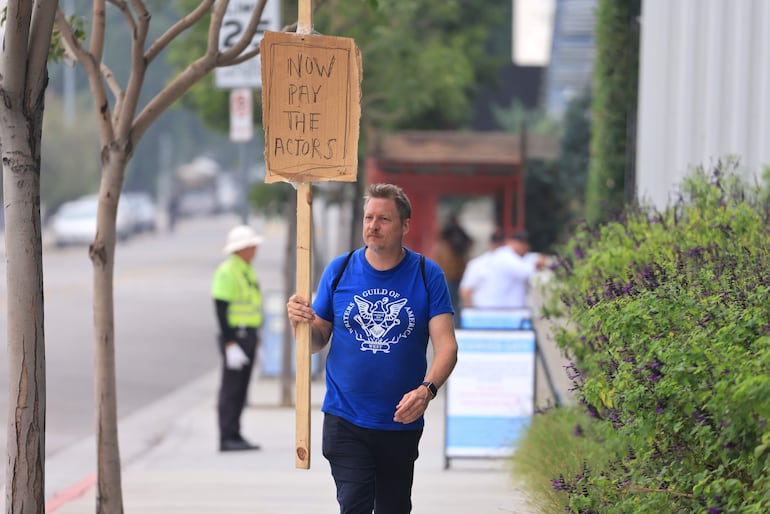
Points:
299	310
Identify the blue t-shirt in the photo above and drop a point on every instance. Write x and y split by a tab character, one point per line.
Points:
379	336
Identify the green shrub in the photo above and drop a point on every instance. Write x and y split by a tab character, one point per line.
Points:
670	334
562	446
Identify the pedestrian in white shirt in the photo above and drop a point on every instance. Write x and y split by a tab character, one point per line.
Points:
509	270
475	282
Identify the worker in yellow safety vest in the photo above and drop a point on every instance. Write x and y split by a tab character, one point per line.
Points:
238	303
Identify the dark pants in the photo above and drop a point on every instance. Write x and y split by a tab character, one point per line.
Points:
373	469
234	386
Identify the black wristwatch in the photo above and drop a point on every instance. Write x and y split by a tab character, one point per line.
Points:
432	388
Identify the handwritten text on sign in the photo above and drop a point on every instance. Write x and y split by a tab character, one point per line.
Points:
311	105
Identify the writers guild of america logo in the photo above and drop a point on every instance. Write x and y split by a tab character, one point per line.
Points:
381	317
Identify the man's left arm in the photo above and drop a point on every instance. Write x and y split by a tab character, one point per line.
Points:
442	336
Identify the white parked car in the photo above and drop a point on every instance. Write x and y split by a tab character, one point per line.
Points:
75	222
142	209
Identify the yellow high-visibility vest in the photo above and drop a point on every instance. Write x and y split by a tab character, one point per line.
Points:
235	282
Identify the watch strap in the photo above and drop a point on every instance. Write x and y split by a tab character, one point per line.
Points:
432	388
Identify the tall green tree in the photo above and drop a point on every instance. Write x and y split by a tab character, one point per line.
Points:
616	74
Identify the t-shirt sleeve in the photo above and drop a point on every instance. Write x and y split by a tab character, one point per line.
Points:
440	302
323	304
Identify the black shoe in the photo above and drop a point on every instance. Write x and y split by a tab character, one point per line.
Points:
234	445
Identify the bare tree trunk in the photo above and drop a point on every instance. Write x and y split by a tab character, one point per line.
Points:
109	496
25	472
23	80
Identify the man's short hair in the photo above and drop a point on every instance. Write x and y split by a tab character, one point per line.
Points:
520	235
498	236
394	192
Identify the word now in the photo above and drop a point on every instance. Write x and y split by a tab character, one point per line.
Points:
309	65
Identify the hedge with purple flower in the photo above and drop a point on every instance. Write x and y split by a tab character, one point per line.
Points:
670	336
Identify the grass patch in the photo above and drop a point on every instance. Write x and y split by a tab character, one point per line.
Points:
560	442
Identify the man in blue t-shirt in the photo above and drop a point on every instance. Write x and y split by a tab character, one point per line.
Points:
379	305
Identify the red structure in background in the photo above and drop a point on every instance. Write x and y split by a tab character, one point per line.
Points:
435	164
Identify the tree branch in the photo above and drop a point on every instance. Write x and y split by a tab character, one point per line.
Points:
176	29
255	52
42	23
17	25
245	39
94	74
123	7
98	21
203	65
125	115
169	94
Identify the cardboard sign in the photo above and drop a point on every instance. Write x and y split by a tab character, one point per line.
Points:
311	107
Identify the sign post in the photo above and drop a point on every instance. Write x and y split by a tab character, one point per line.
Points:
311	108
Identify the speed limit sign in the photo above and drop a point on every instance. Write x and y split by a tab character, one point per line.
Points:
235	20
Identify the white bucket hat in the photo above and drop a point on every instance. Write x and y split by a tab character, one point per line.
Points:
240	237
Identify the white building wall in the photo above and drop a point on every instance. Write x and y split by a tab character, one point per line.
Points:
704	90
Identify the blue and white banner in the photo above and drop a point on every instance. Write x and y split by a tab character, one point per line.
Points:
513	319
490	394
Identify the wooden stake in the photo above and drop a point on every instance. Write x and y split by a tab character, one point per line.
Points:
303	332
334	114
305	17
304	259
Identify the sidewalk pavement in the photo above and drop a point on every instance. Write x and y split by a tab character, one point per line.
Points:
171	463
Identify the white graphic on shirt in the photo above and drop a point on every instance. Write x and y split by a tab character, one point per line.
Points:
378	324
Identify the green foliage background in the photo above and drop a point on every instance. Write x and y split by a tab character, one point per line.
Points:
423	61
615	90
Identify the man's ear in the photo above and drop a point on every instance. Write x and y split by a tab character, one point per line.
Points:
406	224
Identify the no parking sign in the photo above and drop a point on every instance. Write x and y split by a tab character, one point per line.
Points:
241	119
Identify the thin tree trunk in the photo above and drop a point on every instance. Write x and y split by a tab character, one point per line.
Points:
25	472
287	376
109	496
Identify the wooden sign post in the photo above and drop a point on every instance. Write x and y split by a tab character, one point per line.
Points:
311	108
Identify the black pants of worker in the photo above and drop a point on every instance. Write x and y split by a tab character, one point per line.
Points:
372	469
235	386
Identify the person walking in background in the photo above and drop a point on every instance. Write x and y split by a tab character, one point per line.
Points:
451	254
511	267
173	208
476	286
379	305
238	305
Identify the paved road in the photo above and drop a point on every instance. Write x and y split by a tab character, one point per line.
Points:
165	324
